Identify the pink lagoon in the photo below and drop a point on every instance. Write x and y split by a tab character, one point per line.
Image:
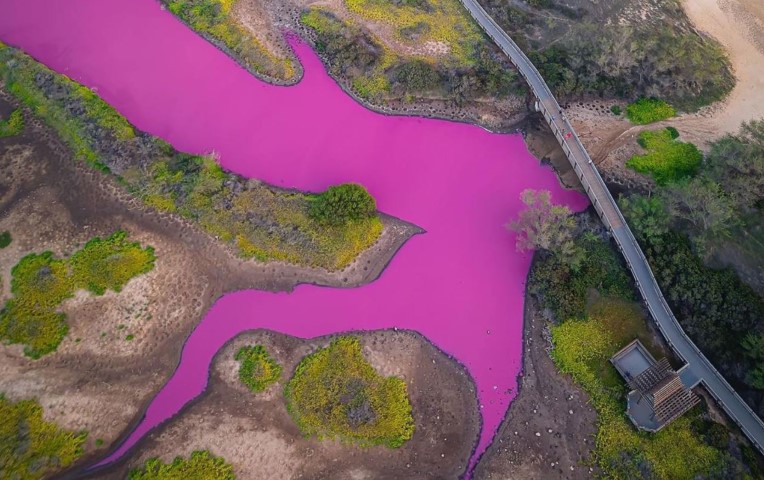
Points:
461	284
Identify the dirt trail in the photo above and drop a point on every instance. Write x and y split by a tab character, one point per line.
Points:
739	26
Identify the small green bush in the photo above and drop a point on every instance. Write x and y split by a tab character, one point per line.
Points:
5	239
257	370
564	288
342	204
649	110
335	393
667	159
616	110
202	465
30	447
13	126
40	283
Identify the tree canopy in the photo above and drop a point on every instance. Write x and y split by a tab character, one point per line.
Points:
545	226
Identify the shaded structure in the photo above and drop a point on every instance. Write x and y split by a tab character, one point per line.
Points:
659	394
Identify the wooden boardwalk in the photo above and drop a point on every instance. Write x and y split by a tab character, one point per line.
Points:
698	366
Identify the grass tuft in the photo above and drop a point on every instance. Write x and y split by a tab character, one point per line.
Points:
13	126
257	370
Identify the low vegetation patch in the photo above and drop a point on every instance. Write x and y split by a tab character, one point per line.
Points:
30	447
261	221
13	126
582	348
649	110
200	465
257	369
41	282
335	393
5	239
214	20
667	159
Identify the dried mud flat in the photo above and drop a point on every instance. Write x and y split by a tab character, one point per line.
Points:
550	427
98	380
255	434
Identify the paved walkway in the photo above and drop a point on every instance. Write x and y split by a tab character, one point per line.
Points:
698	365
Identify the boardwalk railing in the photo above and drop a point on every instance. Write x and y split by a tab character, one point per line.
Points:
608	211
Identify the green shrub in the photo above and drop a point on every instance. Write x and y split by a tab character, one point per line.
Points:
564	289
616	110
649	110
13	126
341	204
667	159
5	239
30	447
40	283
202	465
257	370
335	393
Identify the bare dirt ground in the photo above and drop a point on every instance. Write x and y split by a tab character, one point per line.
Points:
550	427
97	380
255	434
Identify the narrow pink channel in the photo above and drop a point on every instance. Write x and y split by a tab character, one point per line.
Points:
461	284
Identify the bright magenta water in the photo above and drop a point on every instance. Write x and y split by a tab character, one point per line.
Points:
461	284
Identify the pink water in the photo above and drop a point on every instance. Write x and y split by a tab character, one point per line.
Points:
461	284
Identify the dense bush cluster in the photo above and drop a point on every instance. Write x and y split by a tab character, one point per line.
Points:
335	393
342	204
589	50
683	224
13	126
667	159
257	370
41	282
30	447
202	465
213	19
564	288
261	221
